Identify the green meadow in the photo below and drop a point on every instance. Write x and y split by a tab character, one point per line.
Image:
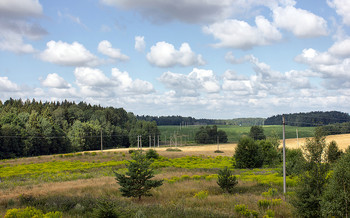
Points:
186	134
75	184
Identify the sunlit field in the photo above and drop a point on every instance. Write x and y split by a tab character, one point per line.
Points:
75	183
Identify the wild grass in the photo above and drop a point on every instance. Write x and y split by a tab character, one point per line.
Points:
74	183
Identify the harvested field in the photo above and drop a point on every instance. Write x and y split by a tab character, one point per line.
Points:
343	142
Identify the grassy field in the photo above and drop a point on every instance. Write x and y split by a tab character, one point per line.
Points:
234	133
76	184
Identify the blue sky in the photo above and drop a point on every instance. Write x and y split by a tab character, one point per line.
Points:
199	58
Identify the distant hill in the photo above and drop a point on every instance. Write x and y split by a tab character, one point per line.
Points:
179	120
315	118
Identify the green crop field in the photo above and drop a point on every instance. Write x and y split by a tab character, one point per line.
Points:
234	133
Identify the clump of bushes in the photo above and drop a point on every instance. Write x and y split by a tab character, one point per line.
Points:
152	154
201	195
243	210
31	212
173	149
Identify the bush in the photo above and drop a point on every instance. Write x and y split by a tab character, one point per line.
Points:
173	149
248	154
244	211
106	208
201	195
218	151
152	154
30	212
226	180
272	192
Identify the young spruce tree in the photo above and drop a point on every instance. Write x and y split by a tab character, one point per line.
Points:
137	180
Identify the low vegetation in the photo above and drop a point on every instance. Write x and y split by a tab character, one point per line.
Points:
89	184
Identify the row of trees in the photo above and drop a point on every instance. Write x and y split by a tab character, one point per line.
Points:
177	120
316	118
31	128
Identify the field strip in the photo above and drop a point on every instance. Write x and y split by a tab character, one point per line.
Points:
342	140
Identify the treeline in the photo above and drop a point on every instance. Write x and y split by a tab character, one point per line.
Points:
31	128
179	120
316	118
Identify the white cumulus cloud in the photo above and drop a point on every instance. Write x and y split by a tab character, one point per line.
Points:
66	54
192	84
301	23
105	47
341	48
240	34
164	54
342	8
7	86
91	77
53	80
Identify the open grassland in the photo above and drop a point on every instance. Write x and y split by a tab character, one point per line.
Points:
75	184
186	134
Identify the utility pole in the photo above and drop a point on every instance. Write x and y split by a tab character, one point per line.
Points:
284	157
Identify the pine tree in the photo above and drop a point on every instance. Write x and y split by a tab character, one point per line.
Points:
226	180
137	180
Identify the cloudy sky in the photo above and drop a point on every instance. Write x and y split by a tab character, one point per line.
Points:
199	58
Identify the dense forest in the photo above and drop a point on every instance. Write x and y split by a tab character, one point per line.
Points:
179	120
316	118
31	128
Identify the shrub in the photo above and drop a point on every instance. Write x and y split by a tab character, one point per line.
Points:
105	208
30	212
218	151
272	192
226	180
248	154
152	154
269	214
173	149
201	195
244	211
264	203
